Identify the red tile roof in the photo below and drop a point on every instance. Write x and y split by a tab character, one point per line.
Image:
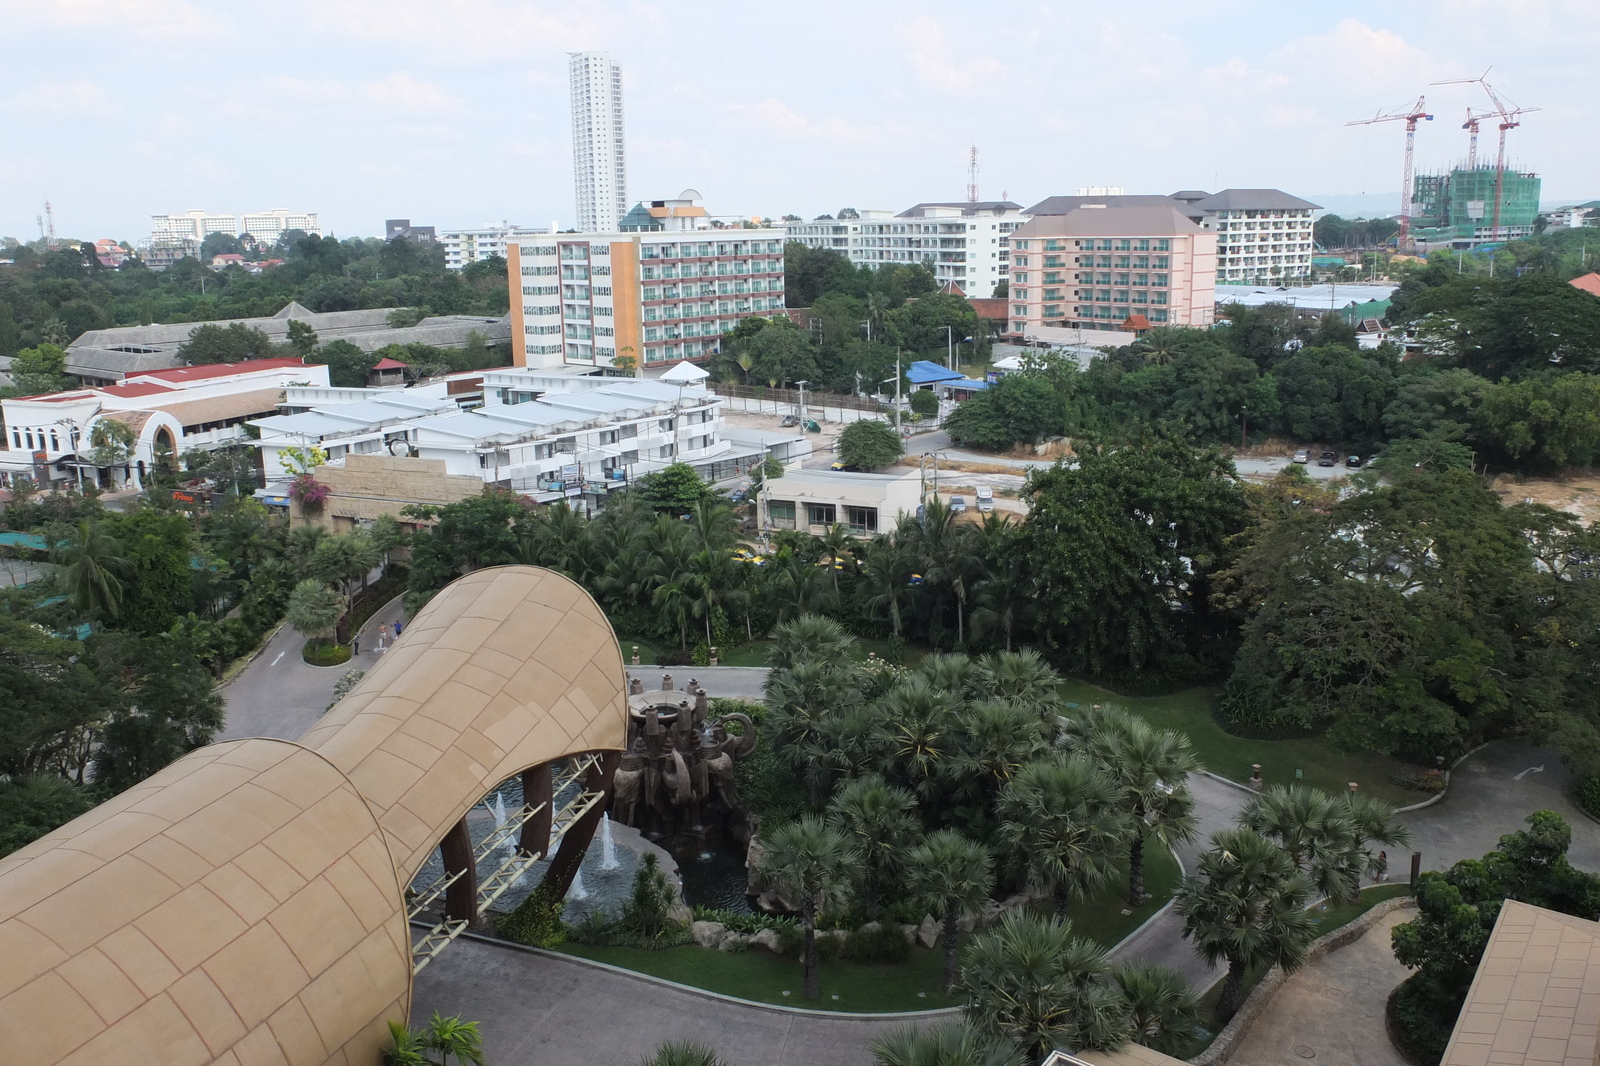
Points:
389	364
1589	283
216	370
136	388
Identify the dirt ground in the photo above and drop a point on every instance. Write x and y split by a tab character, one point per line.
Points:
1578	494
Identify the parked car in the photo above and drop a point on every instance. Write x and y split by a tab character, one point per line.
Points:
1303	456
1354	462
958	504
790	420
985	500
1327	459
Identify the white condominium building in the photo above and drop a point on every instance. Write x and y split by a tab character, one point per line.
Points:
965	243
599	166
463	247
664	291
1262	234
268	226
197	225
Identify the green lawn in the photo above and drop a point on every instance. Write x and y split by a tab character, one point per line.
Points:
1102	919
767	978
1189	712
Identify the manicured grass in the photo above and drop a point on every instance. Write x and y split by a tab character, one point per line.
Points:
763	977
319	654
1102	920
1189	712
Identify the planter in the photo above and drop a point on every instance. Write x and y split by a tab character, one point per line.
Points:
324	655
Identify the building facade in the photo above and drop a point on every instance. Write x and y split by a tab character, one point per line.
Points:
967	244
1457	210
599	160
463	247
196	225
267	226
1263	235
1100	266
652	297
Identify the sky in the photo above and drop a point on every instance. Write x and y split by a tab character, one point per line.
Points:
455	112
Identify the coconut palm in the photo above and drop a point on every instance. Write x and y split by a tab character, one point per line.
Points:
880	822
1160	346
302	541
91	569
954	876
951	1044
837	546
1030	980
798	587
810	863
453	1038
1162	1009
1151	769
1246	906
949	561
675	598
1062	823
684	1053
1325	836
886	581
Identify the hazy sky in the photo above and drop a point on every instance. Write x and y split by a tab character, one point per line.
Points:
453	112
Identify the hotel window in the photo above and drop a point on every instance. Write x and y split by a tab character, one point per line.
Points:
1163	245
1161	281
1141	246
1160	262
1020	276
1020	294
1141	279
781	513
1052	294
1158	297
861	519
1122	296
821	514
1124	245
1140	262
1122	279
1052	310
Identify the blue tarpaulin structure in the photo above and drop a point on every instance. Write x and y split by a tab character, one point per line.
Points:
922	372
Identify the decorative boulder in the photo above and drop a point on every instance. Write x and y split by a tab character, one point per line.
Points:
767	938
928	933
707	934
910	932
732	941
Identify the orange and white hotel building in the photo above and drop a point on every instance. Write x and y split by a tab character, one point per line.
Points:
665	287
1098	264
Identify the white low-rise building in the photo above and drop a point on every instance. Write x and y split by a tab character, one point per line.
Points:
579	441
463	247
817	500
50	438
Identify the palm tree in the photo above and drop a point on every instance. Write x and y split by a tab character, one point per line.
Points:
91	569
810	638
408	1047
1030	980
1151	769
1246	905
1023	679
918	733
453	1038
997	740
1324	836
886	581
303	540
879	821
313	609
1063	825
1162	1009
1159	346
810	863
684	1053
951	1044
954	876
797	586
949	557
675	597
837	546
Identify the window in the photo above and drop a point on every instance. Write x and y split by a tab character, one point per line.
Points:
1141	246
821	514
1124	245
781	513
1141	279
1161	281
1159	262
861	519
1163	245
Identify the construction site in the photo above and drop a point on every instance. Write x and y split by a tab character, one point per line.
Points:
1468	206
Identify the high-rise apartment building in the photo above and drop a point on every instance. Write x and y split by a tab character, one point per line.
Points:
267	226
650	294
965	243
1102	266
1263	235
599	167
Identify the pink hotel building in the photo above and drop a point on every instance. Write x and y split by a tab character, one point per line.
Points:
1096	263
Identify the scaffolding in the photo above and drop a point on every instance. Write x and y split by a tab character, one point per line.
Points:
1457	209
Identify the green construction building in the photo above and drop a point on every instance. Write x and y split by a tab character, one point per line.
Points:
1456	210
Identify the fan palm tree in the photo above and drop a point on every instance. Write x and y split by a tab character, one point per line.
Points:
997	740
1325	836
1029	979
1063	825
951	1044
313	609
453	1038
92	569
1246	906
880	822
954	876
1159	346
810	863
809	638
1162	1009
1023	679
918	733
302	541
684	1053
1151	769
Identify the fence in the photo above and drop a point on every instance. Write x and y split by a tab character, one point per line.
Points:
828	406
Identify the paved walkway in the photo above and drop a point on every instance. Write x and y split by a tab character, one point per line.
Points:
1332	1010
546	1010
280	695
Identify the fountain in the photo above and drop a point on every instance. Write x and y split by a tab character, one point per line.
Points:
608	853
577	891
678	768
499	810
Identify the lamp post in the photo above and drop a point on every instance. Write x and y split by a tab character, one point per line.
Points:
74	433
896	390
950	345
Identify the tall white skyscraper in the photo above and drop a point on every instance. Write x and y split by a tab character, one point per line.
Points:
599	167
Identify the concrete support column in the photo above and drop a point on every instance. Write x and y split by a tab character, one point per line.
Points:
455	851
536	789
558	878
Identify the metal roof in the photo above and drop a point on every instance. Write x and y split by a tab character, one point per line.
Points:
924	372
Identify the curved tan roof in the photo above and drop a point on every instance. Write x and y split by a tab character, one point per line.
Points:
245	904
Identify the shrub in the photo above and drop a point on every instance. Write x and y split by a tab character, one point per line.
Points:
319	654
1420	1020
1586	793
883	944
924	402
792	940
743	921
536	921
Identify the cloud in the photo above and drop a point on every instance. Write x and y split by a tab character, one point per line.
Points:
1362	55
935	62
404	91
145	18
63	99
501	26
774	116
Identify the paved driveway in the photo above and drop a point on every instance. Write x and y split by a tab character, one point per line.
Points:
540	1009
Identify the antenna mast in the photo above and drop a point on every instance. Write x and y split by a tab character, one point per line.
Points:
50	222
972	175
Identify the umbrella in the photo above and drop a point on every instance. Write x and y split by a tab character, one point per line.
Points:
684	374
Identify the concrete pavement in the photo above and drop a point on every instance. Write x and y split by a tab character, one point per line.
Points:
724	682
546	1009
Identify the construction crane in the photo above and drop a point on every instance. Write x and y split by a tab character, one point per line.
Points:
1411	115
1471	125
1507	113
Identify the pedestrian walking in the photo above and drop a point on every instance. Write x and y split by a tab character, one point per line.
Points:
397	627
1380	867
380	640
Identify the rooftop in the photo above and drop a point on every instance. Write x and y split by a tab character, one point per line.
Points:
967	207
182	374
1589	283
1106	218
1253	200
1060	205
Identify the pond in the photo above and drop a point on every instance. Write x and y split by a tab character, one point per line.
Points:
715	877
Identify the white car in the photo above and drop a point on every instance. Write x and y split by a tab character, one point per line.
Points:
985	500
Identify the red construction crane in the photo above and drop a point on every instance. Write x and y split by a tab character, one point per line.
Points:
1471	125
1507	113
1411	116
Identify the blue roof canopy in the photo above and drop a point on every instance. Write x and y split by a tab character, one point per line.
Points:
923	372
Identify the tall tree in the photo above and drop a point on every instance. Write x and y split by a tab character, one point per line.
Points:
1151	769
810	863
954	876
92	570
1063	827
879	821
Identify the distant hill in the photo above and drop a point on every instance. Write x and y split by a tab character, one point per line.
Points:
1359	205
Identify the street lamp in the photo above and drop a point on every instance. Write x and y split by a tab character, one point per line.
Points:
950	344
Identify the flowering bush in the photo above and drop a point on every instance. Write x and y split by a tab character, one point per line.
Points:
308	492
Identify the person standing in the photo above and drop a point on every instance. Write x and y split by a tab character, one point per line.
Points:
355	645
1380	867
